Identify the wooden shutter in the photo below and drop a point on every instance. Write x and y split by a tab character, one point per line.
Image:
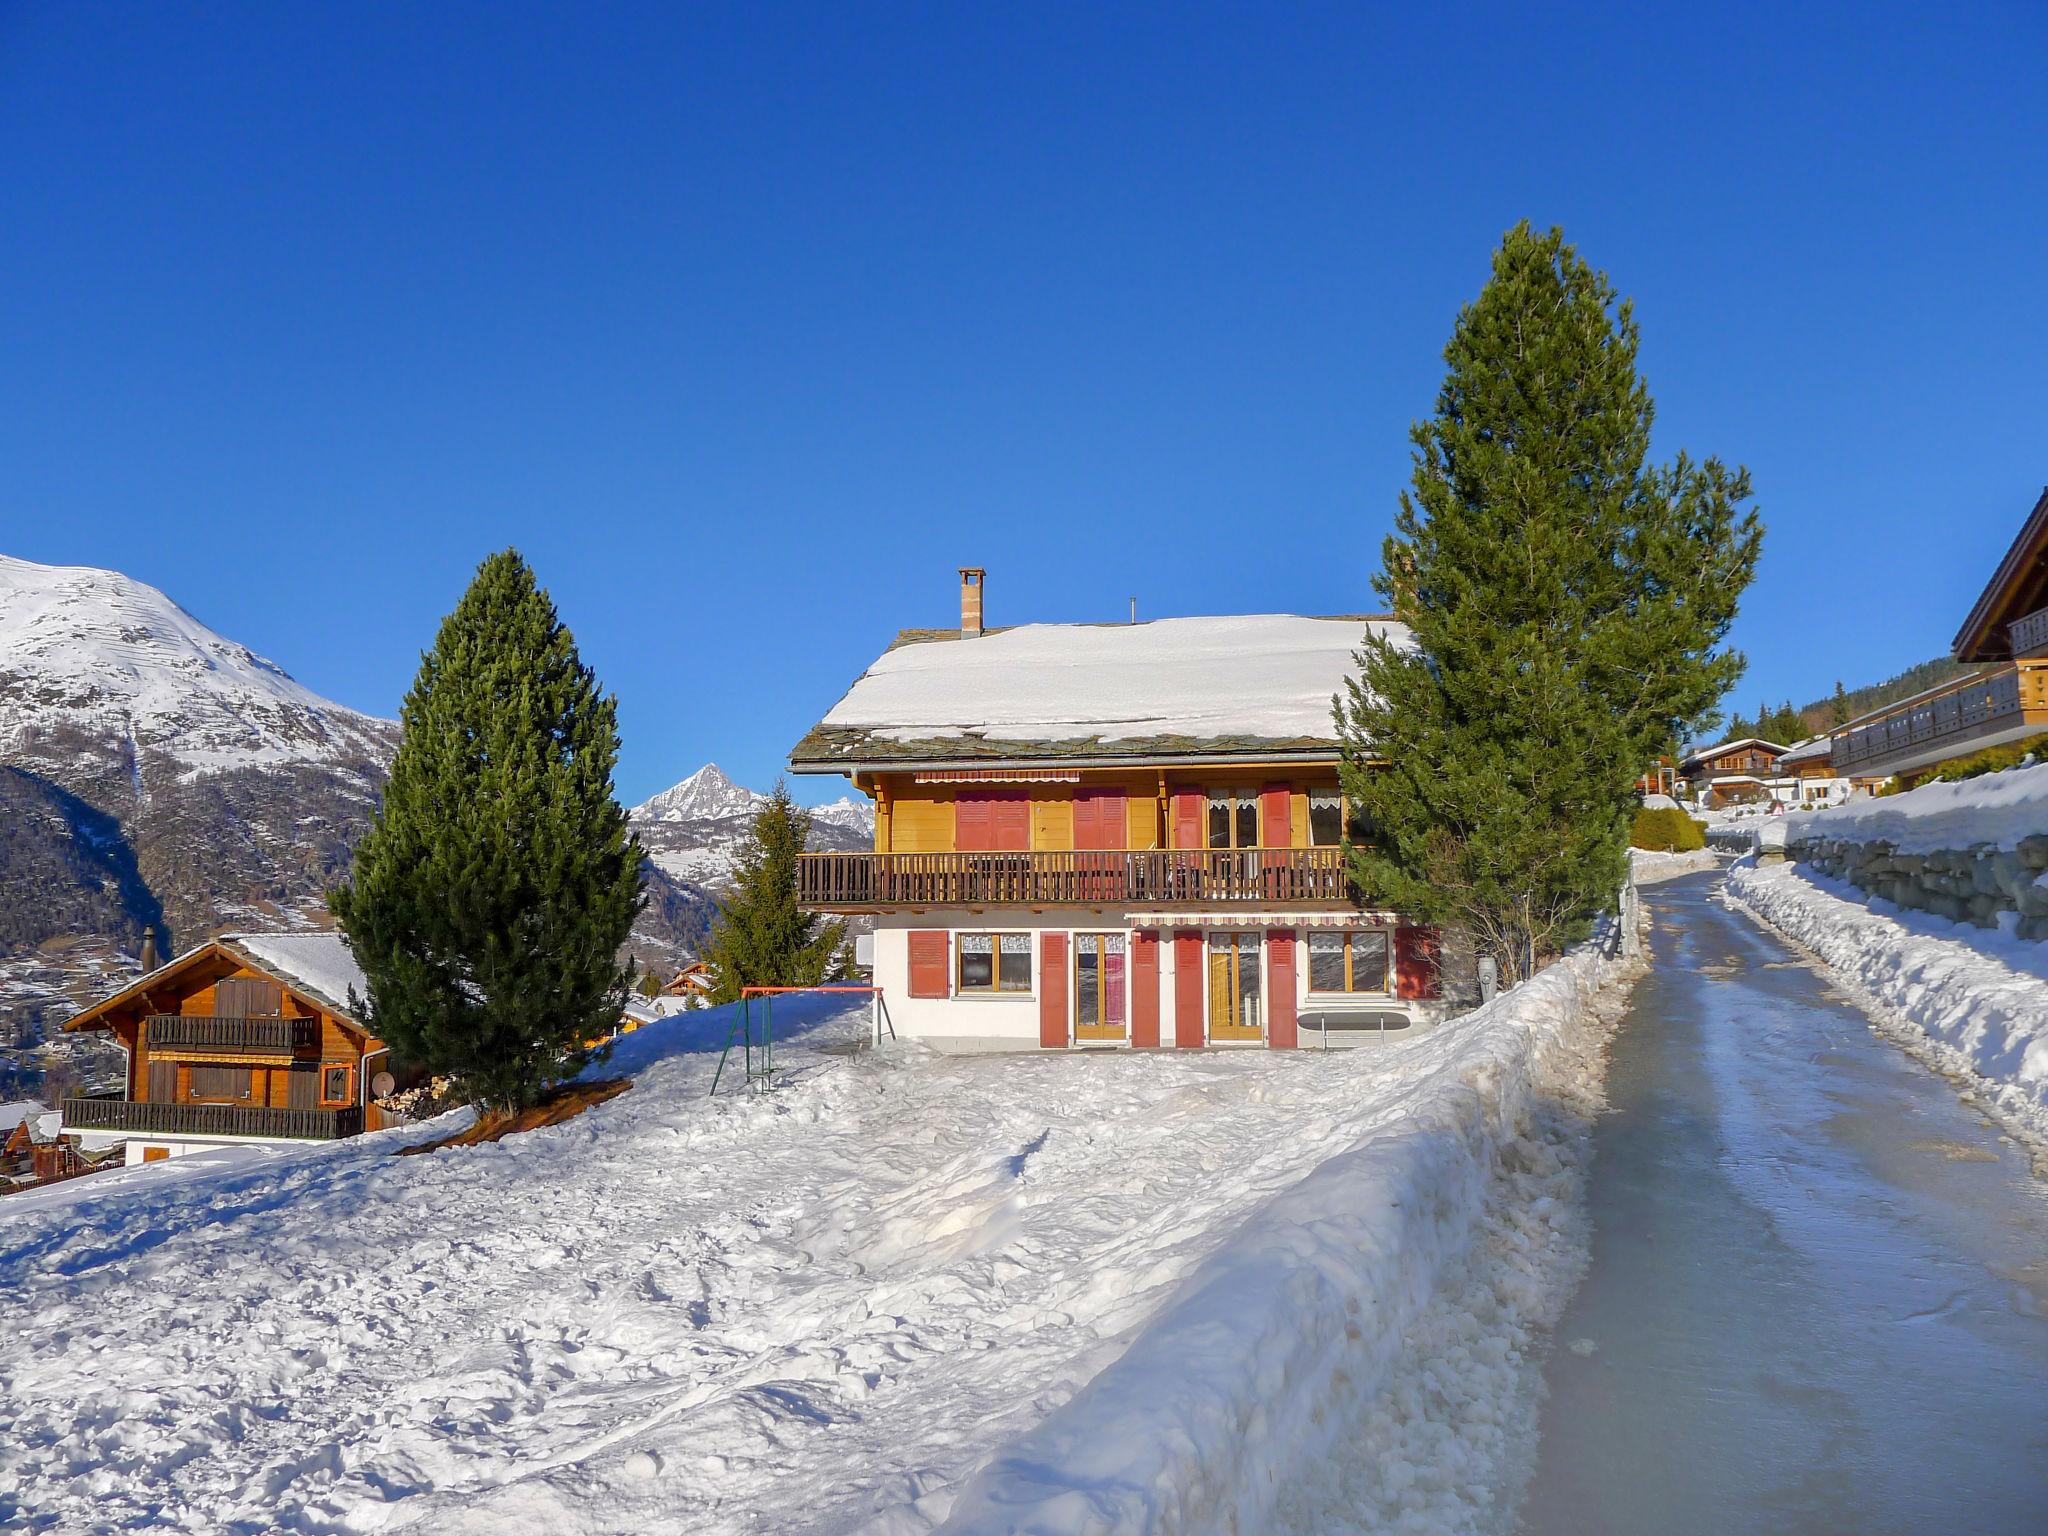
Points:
974	826
1418	964
1276	816
1190	810
1144	988
1099	819
928	963
1189	986
302	1088
163	1082
1280	1020
1010	823
1052	991
247	997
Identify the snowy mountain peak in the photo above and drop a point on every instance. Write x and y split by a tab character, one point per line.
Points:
89	650
704	795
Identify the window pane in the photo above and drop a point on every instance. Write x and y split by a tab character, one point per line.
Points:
337	1084
1369	962
1085	991
1326	962
1248	821
977	961
1219	820
1016	962
1325	818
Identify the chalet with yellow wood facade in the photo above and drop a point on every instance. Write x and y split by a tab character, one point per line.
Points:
248	1038
1123	835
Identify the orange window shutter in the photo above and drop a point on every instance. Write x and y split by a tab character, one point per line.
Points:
1418	964
1190	808
1188	987
928	957
974	823
1276	811
1011	824
1144	988
1281	1034
1052	991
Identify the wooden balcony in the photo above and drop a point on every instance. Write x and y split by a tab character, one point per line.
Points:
208	1037
121	1115
2000	704
2029	634
860	882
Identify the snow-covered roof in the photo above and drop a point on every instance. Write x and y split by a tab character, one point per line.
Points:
321	964
13	1114
1808	750
1171	687
1704	753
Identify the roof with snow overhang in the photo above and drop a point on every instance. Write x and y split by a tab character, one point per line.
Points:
1246	685
318	966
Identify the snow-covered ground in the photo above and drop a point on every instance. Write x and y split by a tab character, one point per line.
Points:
1995	809
1973	1000
1649	865
1166	1291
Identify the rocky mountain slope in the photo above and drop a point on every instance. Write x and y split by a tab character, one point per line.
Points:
692	830
154	773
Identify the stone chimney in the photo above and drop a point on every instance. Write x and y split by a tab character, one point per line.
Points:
970	601
148	950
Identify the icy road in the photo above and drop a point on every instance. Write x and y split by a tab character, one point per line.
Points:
1818	1300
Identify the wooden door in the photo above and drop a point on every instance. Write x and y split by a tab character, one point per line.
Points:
1145	989
1099	1011
1280	1011
1235	1011
1052	991
1187	990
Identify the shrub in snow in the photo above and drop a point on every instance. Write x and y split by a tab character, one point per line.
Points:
1666	831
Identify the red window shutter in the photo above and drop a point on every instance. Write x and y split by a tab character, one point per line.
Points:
1276	812
1190	810
1052	991
974	823
1144	988
1011	823
1418	963
1280	1019
1099	819
928	963
1188	987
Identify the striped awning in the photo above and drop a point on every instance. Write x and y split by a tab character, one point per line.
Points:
1241	919
998	776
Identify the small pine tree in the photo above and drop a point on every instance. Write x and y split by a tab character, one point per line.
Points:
1839	713
761	937
492	893
1566	599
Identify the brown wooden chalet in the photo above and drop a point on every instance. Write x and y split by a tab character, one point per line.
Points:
247	1037
2005	700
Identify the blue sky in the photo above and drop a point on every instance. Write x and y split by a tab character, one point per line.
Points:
749	325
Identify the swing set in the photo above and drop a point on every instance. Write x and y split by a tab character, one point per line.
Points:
756	1040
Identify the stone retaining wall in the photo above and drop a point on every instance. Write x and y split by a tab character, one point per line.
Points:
1969	885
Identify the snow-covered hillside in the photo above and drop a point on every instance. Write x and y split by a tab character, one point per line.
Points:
1300	1277
692	830
88	654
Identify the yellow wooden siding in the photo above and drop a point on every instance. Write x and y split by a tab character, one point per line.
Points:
1141	816
1298	819
922	826
1052	823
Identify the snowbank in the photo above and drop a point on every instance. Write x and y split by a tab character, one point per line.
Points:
1976	999
1649	865
1995	809
1248	1390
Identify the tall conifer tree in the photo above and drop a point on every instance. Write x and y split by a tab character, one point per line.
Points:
761	937
1566	599
490	898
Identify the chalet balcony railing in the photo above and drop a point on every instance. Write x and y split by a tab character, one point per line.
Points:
1176	876
242	1037
2029	633
1955	713
211	1120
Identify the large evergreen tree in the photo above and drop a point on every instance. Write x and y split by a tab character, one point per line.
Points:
1567	600
761	937
490	898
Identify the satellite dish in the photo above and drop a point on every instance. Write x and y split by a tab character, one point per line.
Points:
381	1085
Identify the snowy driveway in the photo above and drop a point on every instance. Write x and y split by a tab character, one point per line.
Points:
799	1312
1818	1299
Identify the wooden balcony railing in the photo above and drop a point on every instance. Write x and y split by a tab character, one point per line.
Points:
2029	633
210	1120
1155	875
240	1037
1954	714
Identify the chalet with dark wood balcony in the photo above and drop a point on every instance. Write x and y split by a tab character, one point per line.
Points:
1114	835
251	1037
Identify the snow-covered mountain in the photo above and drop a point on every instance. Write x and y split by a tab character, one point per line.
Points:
692	830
